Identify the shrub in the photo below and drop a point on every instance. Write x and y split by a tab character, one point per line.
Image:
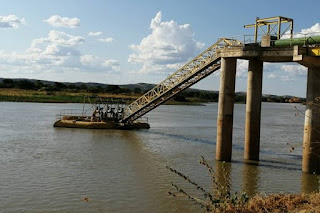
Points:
220	199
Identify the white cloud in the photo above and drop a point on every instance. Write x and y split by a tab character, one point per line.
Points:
97	63
271	76
90	60
294	70
167	47
311	31
94	33
111	65
57	52
11	21
242	68
58	48
286	78
106	40
58	21
314	30
285	72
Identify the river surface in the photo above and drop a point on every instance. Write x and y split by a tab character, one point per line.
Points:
46	169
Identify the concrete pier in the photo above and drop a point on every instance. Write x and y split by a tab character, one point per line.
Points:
311	139
253	110
256	55
225	109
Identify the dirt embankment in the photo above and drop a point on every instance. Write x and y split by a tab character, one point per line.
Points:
279	203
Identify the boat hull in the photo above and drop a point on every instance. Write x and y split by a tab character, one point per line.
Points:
100	125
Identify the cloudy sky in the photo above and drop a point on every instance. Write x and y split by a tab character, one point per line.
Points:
121	42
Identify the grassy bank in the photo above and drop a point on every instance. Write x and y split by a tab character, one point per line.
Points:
20	95
32	90
219	197
277	203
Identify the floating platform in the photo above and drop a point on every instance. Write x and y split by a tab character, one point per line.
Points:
84	122
98	113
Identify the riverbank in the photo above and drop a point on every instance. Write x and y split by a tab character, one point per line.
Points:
20	95
301	203
31	90
65	96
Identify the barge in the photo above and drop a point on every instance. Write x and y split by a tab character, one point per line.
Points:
97	114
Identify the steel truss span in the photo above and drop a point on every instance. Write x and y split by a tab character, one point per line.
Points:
198	68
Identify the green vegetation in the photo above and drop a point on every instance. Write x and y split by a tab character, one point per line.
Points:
42	98
220	199
16	90
19	95
58	86
23	90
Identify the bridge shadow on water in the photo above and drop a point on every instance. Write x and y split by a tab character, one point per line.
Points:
253	173
251	170
262	163
184	138
266	152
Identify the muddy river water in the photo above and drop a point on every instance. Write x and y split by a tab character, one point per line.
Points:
46	169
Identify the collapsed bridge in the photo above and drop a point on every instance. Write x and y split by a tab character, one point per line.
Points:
275	44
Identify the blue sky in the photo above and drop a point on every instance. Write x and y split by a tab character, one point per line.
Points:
120	42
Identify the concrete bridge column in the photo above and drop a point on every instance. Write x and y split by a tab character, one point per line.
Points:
253	110
225	109
311	139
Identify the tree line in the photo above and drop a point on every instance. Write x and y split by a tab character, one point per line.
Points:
24	84
189	95
58	86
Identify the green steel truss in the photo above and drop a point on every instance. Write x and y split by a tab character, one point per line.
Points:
198	68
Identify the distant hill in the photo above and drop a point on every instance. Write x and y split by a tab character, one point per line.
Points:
142	86
139	88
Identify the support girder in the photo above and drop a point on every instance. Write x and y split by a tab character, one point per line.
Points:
200	67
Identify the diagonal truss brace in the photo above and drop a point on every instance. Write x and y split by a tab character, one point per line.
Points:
200	67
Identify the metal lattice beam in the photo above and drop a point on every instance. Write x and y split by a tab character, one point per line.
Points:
268	26
200	67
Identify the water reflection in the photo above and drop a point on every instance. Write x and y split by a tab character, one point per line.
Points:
309	183
222	171
131	136
250	177
149	176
